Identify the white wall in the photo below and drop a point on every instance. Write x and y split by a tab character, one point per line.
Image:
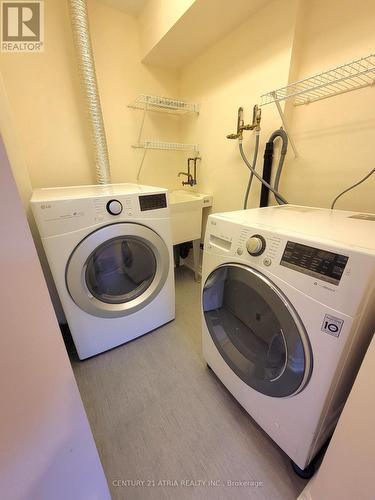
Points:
49	113
347	471
183	29
47	449
21	174
44	97
122	77
334	137
234	72
287	41
157	18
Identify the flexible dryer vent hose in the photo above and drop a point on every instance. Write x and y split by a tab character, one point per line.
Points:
81	34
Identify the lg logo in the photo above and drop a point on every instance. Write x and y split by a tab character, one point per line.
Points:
22	26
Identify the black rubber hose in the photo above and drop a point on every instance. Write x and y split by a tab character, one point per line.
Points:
267	166
267	169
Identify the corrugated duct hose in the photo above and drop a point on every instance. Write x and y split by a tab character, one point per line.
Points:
86	66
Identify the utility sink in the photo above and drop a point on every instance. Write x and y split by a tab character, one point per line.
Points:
186	214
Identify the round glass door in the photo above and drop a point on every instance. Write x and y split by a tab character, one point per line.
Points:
256	330
117	269
120	270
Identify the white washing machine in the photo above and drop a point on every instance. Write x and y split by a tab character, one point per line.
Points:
110	252
288	312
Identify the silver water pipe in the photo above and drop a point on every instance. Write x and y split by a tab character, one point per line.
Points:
86	66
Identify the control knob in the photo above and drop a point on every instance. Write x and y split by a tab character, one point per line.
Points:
114	207
256	245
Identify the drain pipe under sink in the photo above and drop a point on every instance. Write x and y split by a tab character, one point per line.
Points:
81	35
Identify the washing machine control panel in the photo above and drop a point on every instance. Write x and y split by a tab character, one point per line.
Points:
314	262
322	264
256	245
330	272
263	246
114	207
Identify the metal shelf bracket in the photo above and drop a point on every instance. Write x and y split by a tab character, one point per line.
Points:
285	126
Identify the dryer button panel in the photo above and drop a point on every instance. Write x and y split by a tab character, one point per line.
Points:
114	207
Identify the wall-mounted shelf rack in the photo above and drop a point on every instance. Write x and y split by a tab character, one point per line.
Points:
339	80
166	146
167	105
345	78
163	104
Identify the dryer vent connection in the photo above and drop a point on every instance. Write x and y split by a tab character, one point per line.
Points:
81	35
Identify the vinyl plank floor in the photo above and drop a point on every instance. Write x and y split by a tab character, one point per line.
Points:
166	428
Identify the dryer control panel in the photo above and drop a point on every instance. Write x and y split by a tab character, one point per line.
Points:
56	217
152	201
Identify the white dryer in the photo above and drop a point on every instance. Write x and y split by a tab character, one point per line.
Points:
110	252
288	311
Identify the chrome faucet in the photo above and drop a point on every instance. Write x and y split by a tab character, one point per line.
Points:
191	179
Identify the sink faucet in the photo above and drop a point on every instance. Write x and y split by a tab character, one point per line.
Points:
191	179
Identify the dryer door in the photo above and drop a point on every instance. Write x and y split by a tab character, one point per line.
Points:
117	270
256	330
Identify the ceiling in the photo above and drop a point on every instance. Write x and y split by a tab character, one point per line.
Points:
132	7
204	23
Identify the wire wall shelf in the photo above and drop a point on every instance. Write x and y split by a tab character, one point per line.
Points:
166	146
345	78
163	104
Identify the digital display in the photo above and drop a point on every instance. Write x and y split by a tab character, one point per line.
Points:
152	201
327	266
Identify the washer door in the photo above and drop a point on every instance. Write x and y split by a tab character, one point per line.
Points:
117	270
256	330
